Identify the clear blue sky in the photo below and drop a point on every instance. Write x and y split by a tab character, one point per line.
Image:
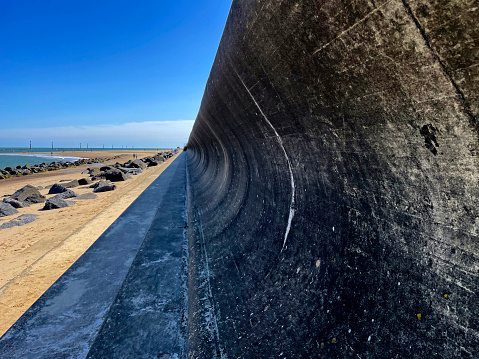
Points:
105	65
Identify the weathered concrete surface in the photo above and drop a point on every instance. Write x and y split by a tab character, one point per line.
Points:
149	316
126	295
334	198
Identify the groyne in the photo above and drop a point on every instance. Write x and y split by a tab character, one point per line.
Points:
333	183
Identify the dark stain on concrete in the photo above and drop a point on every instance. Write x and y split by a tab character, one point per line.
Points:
429	133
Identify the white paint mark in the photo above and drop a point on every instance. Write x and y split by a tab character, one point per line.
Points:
369	338
280	141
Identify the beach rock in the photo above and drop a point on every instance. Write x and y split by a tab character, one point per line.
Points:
100	183
56	202
159	158
138	164
87	196
130	171
67	194
147	159
20	221
13	202
152	163
104	186
28	195
105	168
84	181
71	184
24	172
57	188
100	175
39	187
7	209
93	171
115	176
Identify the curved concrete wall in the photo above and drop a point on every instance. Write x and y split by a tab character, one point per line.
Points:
333	181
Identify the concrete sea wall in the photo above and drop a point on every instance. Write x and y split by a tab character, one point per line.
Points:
333	183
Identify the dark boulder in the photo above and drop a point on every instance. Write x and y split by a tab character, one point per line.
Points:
152	163
57	188
28	195
7	209
56	202
100	183
130	171
71	184
159	158
147	159
25	172
13	202
94	185
104	186
93	171
84	181
67	194
99	175
138	164
115	176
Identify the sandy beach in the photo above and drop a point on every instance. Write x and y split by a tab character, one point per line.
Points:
34	256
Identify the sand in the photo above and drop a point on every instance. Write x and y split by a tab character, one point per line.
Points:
34	256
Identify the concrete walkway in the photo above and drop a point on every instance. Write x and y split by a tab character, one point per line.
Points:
126	296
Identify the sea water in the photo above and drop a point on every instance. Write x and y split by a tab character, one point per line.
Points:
13	157
22	159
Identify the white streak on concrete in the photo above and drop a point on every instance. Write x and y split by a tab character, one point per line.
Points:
280	141
351	27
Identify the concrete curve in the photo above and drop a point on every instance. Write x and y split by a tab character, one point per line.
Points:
333	170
